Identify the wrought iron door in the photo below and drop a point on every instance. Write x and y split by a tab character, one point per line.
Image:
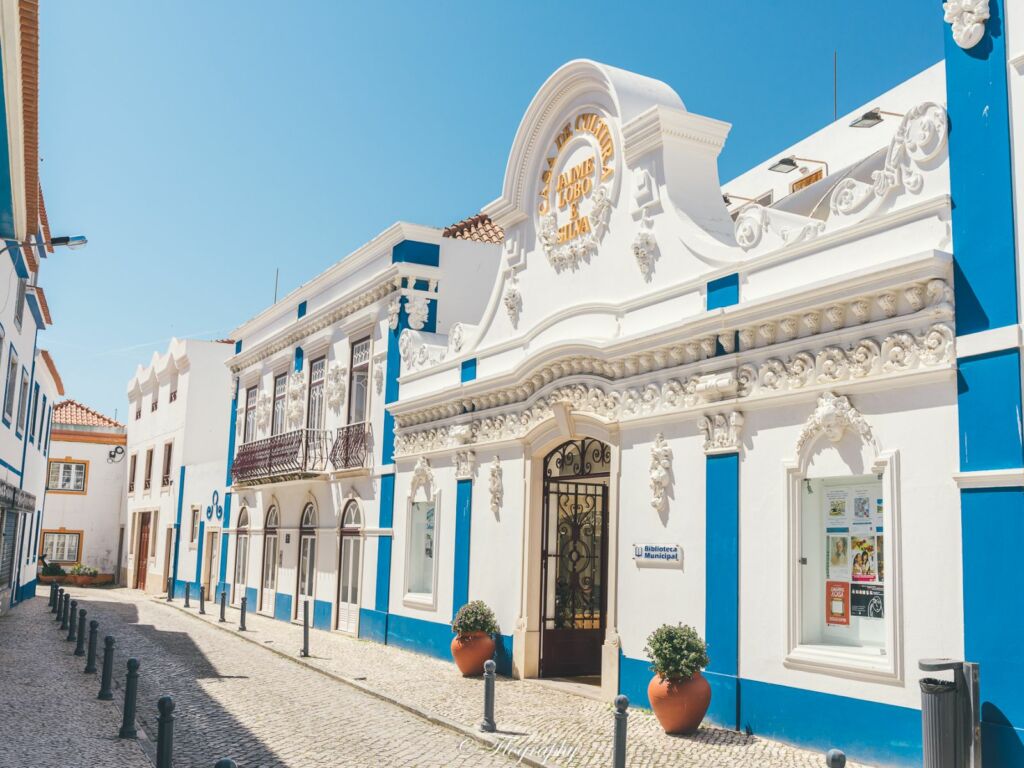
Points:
574	556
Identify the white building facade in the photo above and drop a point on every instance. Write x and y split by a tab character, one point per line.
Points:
85	496
178	425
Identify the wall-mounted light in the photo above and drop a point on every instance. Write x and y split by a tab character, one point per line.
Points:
115	454
788	164
728	198
871	118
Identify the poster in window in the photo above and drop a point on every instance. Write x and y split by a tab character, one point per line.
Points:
863	509
867	601
838	513
878	513
880	551
837	557
837	603
865	563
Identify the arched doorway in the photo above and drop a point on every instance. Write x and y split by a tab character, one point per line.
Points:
574	558
241	557
351	547
306	586
268	591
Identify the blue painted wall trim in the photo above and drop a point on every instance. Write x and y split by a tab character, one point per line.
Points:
463	524
177	522
250	599
223	567
723	292
238	346
434	639
301	312
6	189
199	552
299	357
382	597
989	403
373	625
722	586
468	371
26	591
415	252
321	614
282	606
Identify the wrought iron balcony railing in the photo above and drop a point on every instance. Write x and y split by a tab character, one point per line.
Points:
284	456
165	481
146	484
131	486
350	449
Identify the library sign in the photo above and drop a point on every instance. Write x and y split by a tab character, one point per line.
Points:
658	554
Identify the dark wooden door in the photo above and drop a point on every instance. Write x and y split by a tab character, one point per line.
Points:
574	556
142	562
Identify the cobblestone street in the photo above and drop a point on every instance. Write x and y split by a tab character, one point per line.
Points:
236	696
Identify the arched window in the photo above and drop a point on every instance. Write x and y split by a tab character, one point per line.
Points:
271	518
308	517
352	517
243	518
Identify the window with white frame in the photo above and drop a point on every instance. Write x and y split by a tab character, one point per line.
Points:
193	534
12	384
19	302
23	400
61	547
359	381
249	431
280	392
421	554
66	475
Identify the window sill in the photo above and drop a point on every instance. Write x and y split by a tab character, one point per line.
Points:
866	663
420	600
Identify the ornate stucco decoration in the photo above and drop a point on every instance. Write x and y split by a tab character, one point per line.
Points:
512	299
334	386
394	309
456	338
496	488
721	431
920	137
263	411
418	308
645	247
461	434
422	477
378	373
571	255
755	221
465	465
832	417
661	465
296	406
968	20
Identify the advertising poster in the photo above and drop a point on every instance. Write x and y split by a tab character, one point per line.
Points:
867	601
865	563
837	603
878	514
863	508
838	513
837	556
879	550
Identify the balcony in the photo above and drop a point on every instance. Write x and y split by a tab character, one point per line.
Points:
165	481
174	395
131	486
146	484
350	447
287	456
154	405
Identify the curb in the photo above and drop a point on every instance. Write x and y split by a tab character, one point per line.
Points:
419	712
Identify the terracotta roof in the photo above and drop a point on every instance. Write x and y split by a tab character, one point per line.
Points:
44	221
43	305
74	413
53	371
479	228
28	18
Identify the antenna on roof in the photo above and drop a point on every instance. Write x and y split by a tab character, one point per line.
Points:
835	89
277	272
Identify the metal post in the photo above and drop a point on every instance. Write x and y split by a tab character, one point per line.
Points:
170	588
835	758
188	589
305	628
202	598
90	656
53	596
621	715
107	675
241	618
62	614
131	690
225	762
487	724
56	598
223	605
80	645
164	732
71	625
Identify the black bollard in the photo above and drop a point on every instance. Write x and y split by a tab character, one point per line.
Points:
202	598
80	645
131	690
223	605
53	596
621	715
107	675
62	613
72	625
164	732
56	598
188	589
488	722
241	618
170	588
835	758
90	656
225	762
305	629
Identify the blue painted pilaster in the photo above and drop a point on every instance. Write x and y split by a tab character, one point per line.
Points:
177	522
463	524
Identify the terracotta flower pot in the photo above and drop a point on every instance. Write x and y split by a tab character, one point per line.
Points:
679	705
471	651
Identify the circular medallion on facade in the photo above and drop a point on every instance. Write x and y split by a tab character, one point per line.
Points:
576	189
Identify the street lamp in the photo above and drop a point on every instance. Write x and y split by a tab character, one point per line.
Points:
872	117
788	164
70	241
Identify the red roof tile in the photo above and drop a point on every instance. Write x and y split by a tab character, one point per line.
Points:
74	413
479	228
53	371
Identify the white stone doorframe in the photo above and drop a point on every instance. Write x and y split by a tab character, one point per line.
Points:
526	635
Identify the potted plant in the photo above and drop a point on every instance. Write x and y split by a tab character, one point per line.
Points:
678	692
52	572
473	643
83	575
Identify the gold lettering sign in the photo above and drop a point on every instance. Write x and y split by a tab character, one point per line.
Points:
574	203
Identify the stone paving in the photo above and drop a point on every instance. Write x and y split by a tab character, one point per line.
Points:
49	713
549	725
233	699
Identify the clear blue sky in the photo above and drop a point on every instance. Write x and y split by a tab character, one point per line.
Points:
201	144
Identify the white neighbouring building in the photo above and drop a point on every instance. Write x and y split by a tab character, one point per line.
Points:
84	490
313	478
178	423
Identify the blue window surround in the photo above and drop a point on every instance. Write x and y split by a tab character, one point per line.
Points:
238	346
468	370
42	425
299	358
18	426
7	386
32	418
723	292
